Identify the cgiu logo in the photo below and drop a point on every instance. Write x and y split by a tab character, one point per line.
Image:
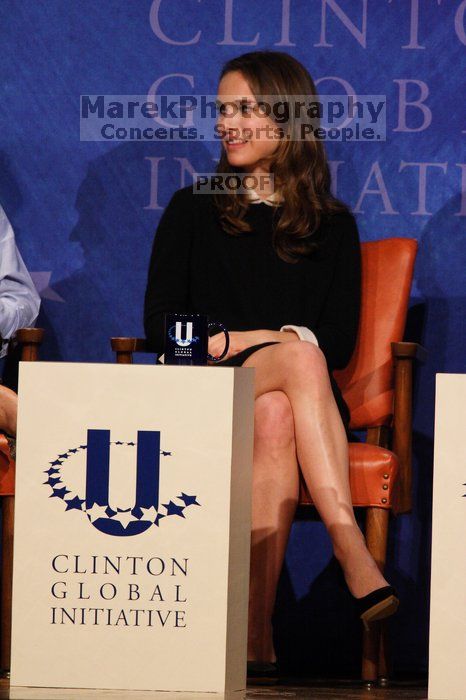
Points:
92	462
175	333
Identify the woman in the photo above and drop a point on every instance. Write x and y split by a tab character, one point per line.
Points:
281	269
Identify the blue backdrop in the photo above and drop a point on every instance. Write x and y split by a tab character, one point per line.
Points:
85	212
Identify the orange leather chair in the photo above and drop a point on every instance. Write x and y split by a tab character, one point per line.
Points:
30	340
377	386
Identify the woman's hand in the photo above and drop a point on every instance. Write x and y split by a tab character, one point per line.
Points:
240	340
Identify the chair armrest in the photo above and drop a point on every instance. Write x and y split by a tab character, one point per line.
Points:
406	350
30	340
403	354
124	348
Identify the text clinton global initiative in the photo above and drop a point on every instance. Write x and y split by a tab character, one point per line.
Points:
86	602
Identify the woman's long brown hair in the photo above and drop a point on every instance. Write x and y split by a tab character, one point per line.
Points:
300	168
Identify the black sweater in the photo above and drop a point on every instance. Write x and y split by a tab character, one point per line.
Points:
196	266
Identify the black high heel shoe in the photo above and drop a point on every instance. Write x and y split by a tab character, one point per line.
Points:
262	672
377	605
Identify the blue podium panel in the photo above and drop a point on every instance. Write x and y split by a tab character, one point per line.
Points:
132	527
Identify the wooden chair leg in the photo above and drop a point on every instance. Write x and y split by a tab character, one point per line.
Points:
376	539
384	660
6	582
370	653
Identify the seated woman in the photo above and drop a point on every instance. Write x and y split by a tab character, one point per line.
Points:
282	270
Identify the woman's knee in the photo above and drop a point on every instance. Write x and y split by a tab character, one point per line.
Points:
307	362
273	420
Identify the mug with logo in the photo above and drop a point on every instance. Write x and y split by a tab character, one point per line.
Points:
187	339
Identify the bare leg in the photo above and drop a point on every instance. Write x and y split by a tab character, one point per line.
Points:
275	494
8	410
299	369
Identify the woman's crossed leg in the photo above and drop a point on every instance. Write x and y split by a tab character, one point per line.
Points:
297	421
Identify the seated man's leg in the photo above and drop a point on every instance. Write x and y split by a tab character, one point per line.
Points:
8	410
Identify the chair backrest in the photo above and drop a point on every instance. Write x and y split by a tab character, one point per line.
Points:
367	381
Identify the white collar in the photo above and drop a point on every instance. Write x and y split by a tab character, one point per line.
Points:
272	200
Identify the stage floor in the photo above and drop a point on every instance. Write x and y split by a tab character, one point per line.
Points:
304	691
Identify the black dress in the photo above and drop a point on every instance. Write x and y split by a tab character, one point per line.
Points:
241	281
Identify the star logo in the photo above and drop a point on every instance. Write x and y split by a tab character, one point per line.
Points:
125	517
96	512
51	481
188	500
149	514
74	503
114	520
59	493
173	509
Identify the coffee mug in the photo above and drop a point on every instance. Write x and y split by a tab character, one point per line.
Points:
187	339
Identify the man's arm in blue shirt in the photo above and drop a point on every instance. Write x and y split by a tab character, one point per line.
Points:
19	300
